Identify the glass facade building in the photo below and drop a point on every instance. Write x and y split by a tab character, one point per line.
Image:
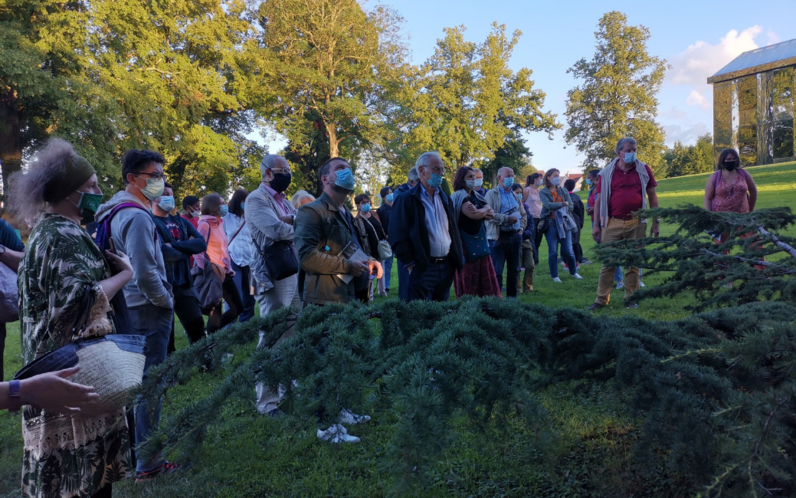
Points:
753	105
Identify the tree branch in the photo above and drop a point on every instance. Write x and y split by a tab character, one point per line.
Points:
787	248
783	269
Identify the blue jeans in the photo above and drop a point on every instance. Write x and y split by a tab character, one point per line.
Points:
567	254
434	284
154	323
507	250
387	264
241	280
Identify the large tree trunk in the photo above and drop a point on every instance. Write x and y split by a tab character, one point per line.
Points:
334	150
10	142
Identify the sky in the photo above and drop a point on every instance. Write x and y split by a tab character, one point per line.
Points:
696	37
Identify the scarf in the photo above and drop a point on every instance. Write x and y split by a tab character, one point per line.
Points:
605	186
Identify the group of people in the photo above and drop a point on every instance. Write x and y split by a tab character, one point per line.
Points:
437	241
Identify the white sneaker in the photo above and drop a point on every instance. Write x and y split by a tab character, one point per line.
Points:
336	434
577	277
557	280
351	418
620	285
641	284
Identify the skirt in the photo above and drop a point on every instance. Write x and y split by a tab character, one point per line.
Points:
477	278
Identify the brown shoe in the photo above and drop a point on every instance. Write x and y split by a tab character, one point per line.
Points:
596	306
632	306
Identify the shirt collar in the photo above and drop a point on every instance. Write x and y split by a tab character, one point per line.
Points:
276	195
425	192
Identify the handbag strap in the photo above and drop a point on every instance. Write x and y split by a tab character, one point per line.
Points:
236	233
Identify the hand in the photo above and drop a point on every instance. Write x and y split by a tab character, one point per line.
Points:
167	244
53	393
375	265
566	204
595	233
512	219
358	268
286	219
119	263
410	268
655	231
589	210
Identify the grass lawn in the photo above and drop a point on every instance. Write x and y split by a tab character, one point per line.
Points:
590	455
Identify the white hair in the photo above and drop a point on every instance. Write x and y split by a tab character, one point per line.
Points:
425	158
269	162
413	174
299	196
624	141
504	168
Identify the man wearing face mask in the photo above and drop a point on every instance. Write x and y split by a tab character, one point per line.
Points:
179	241
148	294
625	186
192	210
424	234
504	231
478	186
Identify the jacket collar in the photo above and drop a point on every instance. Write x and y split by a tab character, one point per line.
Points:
330	204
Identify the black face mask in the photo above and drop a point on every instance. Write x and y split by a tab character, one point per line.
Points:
730	165
281	182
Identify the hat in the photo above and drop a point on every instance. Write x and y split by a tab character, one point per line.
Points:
76	172
189	200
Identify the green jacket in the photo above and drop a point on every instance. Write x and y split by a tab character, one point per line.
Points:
321	233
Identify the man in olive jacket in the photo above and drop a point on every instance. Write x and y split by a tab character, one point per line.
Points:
322	229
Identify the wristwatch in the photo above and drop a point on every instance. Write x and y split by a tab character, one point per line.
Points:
2	249
14	396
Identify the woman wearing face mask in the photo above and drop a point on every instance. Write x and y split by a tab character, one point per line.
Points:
192	209
240	250
477	277
76	454
370	233
556	210
214	208
531	198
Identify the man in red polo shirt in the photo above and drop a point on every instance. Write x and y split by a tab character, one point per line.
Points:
624	187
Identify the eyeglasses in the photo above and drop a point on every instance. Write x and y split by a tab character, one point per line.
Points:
156	176
439	171
283	171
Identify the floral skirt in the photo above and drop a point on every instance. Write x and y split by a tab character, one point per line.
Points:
477	278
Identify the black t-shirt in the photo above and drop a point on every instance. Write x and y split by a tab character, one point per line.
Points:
469	225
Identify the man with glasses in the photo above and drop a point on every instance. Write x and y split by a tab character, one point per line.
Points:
424	235
504	231
148	294
269	216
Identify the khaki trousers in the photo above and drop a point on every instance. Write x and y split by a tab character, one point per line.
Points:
615	230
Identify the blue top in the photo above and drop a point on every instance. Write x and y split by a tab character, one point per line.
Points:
509	206
9	237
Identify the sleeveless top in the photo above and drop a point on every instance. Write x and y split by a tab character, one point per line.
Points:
731	197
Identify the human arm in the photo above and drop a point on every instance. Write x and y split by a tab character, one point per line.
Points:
595	230
547	201
124	273
752	195
52	392
498	218
655	230
523	215
11	258
137	233
263	217
171	254
710	192
14	248
400	223
310	242
470	211
195	243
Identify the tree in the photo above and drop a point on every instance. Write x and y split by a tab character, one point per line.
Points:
125	74
683	160
332	63
512	154
618	96
465	101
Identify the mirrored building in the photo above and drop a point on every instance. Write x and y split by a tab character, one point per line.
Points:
753	100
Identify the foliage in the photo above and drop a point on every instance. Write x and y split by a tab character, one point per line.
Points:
512	154
726	274
465	101
618	96
682	160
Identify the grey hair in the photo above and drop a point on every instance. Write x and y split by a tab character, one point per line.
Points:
300	196
413	174
425	157
268	162
622	142
26	187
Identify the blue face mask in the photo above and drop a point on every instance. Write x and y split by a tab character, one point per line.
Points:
166	203
630	157
345	179
365	208
242	206
389	197
435	181
588	181
224	210
469	183
508	182
555	181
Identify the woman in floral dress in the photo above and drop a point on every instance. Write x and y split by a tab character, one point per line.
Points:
81	454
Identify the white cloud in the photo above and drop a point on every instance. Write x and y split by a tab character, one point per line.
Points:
700	99
701	60
673	113
687	135
773	38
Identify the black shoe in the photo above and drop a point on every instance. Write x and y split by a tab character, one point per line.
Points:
387	290
596	306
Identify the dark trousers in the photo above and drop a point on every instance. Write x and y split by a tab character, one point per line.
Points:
537	239
219	319
2	348
507	250
242	280
576	247
434	284
403	282
189	311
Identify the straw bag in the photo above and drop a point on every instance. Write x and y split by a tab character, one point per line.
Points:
112	364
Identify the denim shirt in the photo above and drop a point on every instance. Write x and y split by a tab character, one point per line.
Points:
509	207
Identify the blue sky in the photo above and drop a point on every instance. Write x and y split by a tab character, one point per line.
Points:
696	37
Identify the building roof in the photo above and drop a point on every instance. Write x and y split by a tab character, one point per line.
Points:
758	60
574	176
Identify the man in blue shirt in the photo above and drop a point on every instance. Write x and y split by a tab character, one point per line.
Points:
11	252
424	235
504	231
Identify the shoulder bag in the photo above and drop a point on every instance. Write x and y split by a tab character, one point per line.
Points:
208	284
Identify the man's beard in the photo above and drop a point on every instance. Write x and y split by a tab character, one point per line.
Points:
340	190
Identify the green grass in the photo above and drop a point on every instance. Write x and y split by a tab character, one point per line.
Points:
590	453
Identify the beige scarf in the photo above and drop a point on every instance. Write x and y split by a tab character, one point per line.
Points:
605	187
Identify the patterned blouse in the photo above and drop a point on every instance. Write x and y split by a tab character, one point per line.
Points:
731	197
66	455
